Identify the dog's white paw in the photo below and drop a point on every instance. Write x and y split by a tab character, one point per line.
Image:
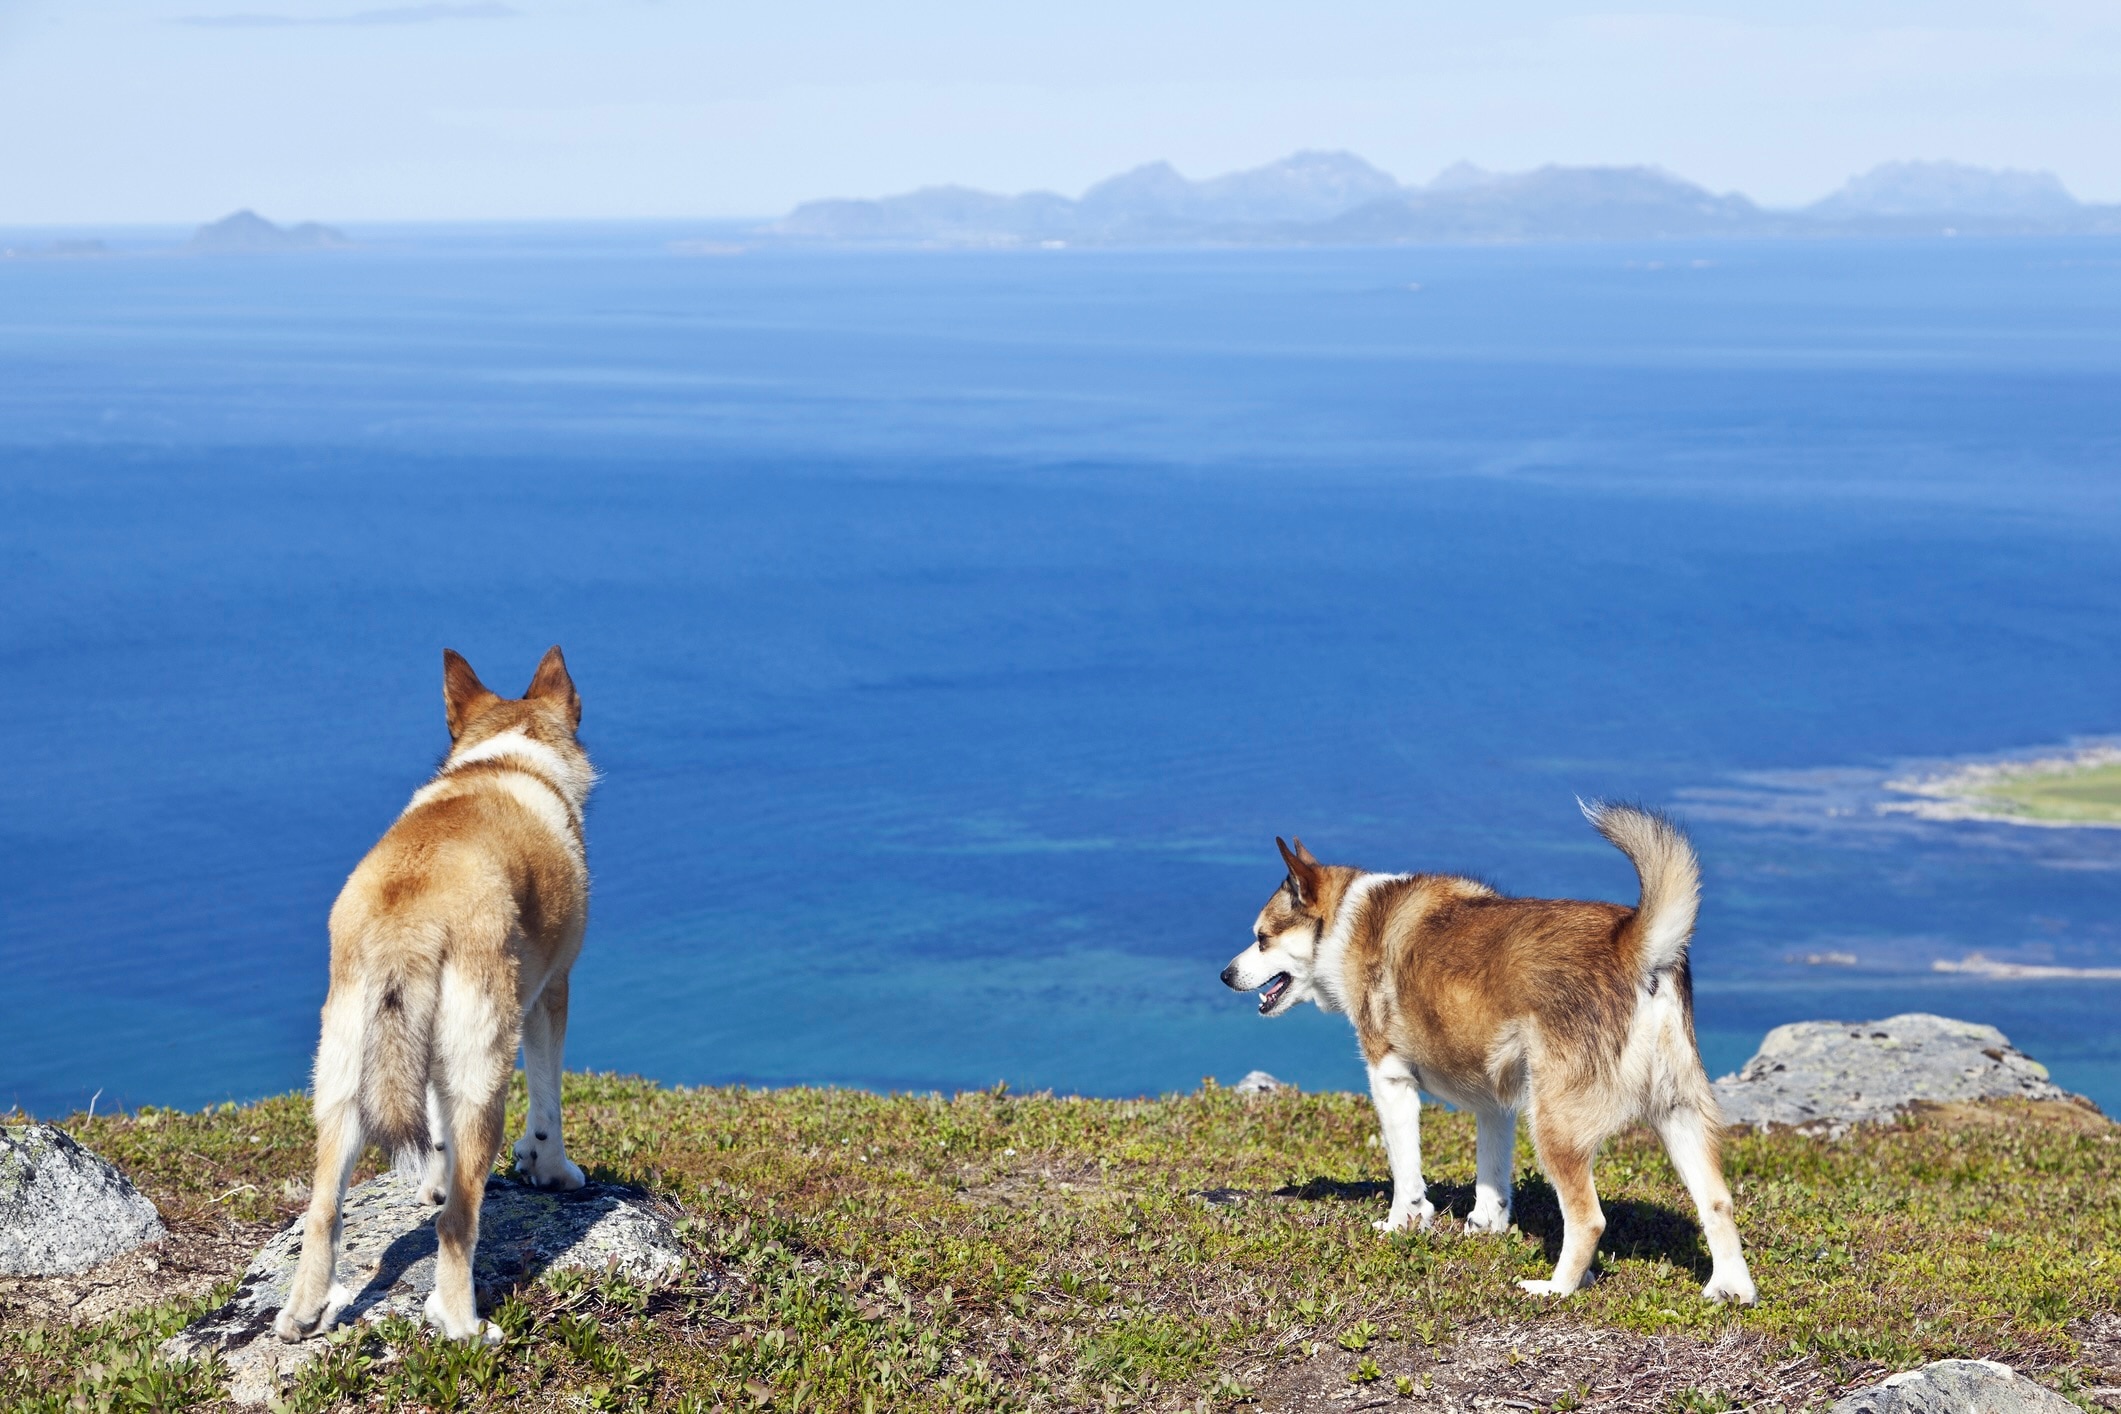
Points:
290	1327
1408	1220
459	1327
544	1164
1544	1288
1724	1288
1488	1220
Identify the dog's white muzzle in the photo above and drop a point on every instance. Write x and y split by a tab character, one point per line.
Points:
1254	971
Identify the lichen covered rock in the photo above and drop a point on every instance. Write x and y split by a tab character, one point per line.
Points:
1827	1075
387	1262
1955	1387
64	1209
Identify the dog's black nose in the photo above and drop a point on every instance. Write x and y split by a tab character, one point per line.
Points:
1230	978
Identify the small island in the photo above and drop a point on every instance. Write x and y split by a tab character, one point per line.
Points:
246	232
2077	790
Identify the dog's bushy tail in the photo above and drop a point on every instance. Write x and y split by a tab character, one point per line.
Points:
397	1054
1670	874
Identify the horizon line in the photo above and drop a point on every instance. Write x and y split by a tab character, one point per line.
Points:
195	222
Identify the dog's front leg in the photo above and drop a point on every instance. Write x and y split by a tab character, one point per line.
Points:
1497	1152
1394	1087
541	1154
434	1171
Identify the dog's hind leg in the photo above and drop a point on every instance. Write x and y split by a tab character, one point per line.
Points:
1691	1141
1394	1087
475	1046
314	1296
1567	1162
1497	1149
541	1154
475	1134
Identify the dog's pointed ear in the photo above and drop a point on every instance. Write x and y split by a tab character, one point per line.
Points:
553	684
463	695
1303	871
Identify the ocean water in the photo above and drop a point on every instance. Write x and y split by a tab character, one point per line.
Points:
957	630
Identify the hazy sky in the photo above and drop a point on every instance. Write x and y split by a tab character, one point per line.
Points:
181	110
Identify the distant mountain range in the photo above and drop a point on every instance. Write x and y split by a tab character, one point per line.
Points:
247	231
1336	198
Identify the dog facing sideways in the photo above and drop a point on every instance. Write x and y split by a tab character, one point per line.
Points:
450	944
1580	1013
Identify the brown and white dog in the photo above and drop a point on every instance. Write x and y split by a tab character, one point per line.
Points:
450	944
1580	1013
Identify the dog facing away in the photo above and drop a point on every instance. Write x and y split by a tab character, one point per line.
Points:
450	944
1580	1013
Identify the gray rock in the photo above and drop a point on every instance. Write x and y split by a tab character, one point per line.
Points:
387	1259
63	1209
1258	1082
1827	1075
1222	1197
1956	1387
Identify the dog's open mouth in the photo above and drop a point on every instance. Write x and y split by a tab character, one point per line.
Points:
1273	991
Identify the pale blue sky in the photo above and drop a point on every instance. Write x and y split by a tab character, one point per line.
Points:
181	110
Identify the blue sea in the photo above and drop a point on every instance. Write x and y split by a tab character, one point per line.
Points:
956	631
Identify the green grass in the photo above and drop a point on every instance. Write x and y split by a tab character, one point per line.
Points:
992	1251
2092	793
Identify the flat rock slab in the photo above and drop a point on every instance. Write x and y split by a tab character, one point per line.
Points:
387	1258
1956	1387
64	1209
1828	1075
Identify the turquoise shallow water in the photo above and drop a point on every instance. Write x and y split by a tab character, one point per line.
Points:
957	631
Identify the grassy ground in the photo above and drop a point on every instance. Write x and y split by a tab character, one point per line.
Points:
1000	1252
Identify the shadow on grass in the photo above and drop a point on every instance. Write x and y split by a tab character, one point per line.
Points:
1633	1230
1643	1232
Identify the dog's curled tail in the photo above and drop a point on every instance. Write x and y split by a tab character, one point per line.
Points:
1670	874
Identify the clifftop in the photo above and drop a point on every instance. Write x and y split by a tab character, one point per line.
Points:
993	1251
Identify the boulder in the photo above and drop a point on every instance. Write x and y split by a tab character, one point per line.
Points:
63	1209
1258	1082
1955	1387
1827	1075
387	1259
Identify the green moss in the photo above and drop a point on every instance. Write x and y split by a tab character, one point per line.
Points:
994	1251
2090	793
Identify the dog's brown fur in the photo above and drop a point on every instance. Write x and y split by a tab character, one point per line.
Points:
450	944
1580	1012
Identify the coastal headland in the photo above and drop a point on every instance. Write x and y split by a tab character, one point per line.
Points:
1203	1251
